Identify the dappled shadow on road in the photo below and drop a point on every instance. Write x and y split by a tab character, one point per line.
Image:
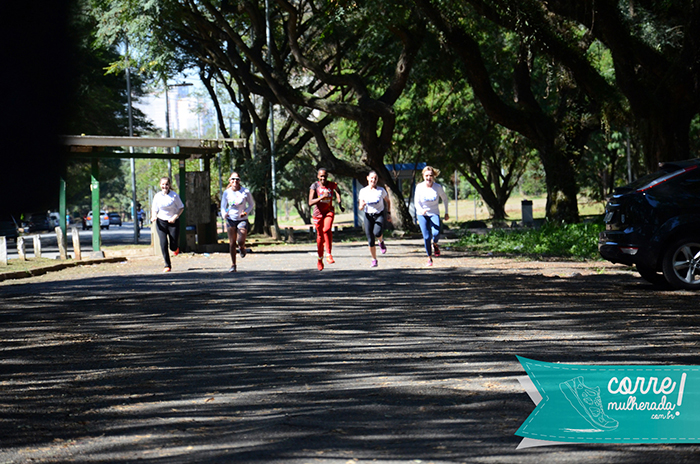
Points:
298	366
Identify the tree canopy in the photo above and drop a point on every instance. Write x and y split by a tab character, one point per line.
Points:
513	76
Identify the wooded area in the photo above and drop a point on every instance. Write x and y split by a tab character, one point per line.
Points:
587	91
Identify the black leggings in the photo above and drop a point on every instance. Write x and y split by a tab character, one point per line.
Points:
374	226
167	230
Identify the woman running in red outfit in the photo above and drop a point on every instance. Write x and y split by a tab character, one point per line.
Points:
321	198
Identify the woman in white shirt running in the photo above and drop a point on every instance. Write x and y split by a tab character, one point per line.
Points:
372	200
165	212
236	204
426	200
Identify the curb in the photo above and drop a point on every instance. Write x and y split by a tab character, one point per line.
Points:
57	267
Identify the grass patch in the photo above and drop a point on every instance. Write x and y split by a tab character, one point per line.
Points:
577	241
18	265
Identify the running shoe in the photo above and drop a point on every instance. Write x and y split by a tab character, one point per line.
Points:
166	269
176	252
374	263
330	259
382	247
586	401
430	262
436	250
320	264
232	269
243	252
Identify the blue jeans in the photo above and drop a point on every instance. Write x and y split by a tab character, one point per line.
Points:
430	227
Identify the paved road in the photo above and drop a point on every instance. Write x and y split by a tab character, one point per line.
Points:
280	363
115	235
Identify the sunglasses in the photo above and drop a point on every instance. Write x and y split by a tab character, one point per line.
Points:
235	178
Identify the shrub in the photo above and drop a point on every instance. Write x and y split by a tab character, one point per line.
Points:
551	240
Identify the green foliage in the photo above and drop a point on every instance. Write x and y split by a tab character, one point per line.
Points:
113	187
446	126
551	240
532	183
100	103
294	185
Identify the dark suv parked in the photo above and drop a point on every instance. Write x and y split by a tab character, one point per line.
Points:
654	224
38	221
8	227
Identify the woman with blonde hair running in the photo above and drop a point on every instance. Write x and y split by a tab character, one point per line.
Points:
426	200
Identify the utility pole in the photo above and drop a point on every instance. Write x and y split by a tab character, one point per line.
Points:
272	121
132	161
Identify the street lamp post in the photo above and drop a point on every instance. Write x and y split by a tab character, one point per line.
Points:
268	34
132	161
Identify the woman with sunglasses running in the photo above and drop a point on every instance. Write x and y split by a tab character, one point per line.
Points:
236	204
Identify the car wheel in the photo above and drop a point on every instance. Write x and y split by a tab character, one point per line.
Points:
649	274
681	263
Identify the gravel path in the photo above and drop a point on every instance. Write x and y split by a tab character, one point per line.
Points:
280	363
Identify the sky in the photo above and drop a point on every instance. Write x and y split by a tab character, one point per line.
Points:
182	102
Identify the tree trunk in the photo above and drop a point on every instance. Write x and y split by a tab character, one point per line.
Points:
374	148
562	189
496	208
303	209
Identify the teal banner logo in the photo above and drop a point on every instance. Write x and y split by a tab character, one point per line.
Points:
610	404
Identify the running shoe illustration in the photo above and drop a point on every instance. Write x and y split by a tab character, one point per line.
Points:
586	401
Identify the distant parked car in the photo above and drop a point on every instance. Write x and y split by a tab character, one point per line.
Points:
654	224
8	227
104	220
115	219
38	222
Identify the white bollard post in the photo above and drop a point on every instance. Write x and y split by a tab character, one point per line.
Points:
21	250
36	243
61	239
76	243
275	232
3	251
155	239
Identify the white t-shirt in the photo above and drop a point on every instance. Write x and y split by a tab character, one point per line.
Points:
235	202
166	207
373	198
426	199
